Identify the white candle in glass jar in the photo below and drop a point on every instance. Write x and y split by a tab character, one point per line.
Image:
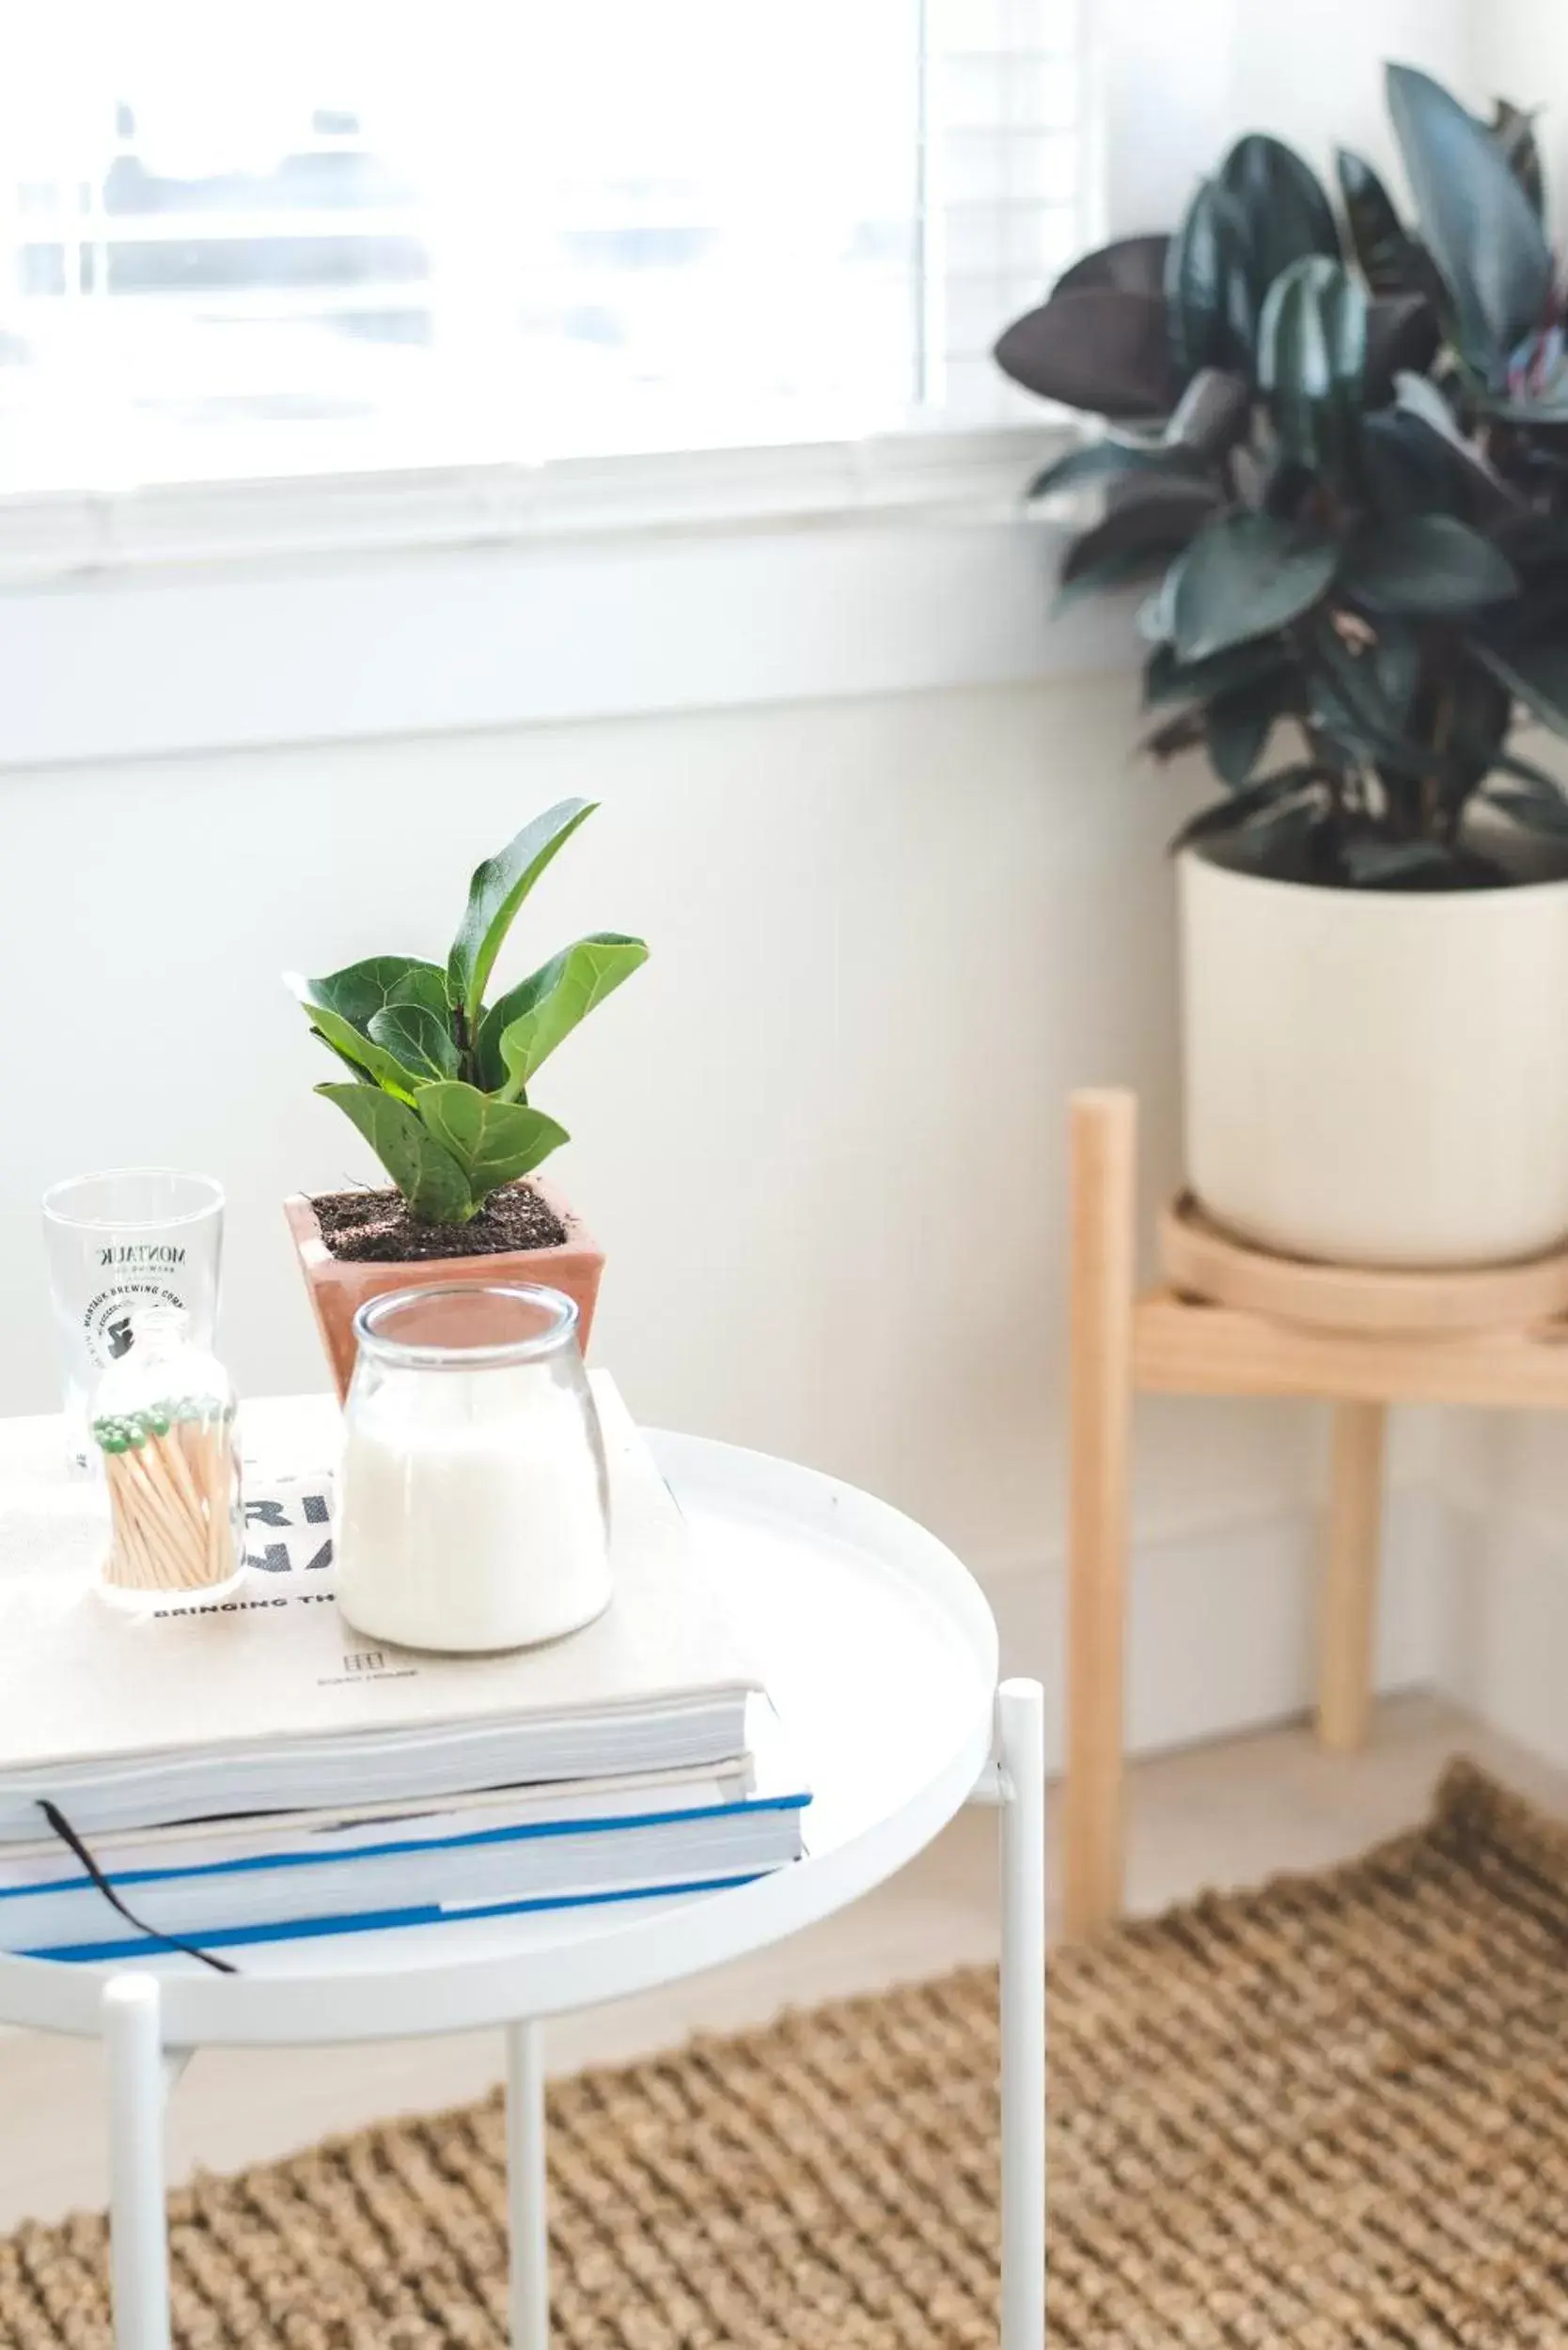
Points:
471	1509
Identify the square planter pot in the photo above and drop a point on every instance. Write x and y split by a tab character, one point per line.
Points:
339	1289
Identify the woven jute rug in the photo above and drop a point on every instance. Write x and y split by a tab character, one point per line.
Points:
1331	2114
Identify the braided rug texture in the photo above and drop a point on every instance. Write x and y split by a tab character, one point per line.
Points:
1331	2114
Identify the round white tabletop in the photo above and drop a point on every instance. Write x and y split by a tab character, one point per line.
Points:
879	1652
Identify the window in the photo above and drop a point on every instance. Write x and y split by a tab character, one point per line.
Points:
354	234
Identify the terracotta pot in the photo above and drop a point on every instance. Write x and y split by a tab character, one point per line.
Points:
339	1289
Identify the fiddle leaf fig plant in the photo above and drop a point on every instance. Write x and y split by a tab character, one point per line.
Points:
439	1081
1335	454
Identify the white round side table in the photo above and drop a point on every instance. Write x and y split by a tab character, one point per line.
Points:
880	1654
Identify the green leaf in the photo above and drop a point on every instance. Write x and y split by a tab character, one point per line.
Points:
1167	679
1139	534
1244	576
1538	674
496	891
1128	265
1510	763
1426	564
1270	795
1311	361
1282	202
1209	285
520	1032
1239	724
363	989
1477	222
1102	350
349	1042
1513	128
1212	416
1242	807
1359	706
1389	258
429	1177
493	1142
1538	811
418	1038
1374	861
1103	458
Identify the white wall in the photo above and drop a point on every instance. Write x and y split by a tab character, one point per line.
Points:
820	1135
1181	82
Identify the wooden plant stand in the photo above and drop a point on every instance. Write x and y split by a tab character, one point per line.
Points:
1362	1340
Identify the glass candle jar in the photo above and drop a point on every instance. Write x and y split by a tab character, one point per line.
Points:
473	1502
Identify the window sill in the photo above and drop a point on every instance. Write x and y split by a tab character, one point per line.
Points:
251	616
60	536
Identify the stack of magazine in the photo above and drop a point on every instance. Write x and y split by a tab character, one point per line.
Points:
229	1773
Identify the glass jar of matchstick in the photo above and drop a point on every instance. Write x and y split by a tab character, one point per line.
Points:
164	1419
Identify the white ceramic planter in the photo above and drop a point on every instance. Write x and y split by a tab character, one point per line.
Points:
1377	1077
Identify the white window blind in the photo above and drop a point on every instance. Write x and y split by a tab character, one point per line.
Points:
240	239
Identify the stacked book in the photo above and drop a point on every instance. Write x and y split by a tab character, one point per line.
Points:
223	1774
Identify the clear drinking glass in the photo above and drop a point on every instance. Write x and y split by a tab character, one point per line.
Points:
128	1239
473	1506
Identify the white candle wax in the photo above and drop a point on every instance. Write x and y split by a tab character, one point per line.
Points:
470	1510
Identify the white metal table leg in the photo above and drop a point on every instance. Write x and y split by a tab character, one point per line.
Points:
1021	1753
138	2228
526	2188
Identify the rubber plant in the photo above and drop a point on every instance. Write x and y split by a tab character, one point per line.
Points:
1336	450
439	1078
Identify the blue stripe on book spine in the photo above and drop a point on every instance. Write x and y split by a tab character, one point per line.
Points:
379	1920
526	1833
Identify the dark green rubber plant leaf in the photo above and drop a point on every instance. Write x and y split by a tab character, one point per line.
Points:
1406	470
1388	256
1374	861
1270	795
1426	564
521	1031
1513	128
418	1038
1128	265
1211	306
1102	351
495	894
1476	220
1212	416
1541	811
1238	725
1404	338
436	1189
492	1141
1102	460
1537	673
1167	680
1139	534
1245	576
1282	200
1360	704
1312	362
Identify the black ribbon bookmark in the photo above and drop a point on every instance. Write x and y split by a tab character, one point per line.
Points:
73	1843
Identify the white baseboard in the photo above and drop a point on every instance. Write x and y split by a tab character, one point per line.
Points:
1221	1633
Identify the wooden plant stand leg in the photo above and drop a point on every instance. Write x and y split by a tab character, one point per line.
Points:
1348	1616
1103	1139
